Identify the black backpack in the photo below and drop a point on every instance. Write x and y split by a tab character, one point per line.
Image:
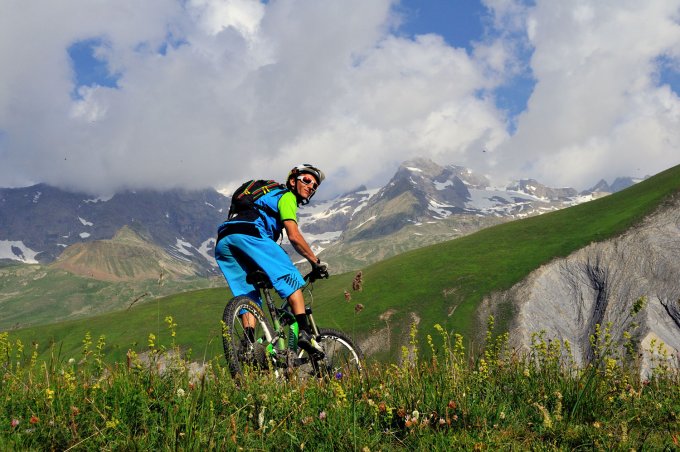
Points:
243	200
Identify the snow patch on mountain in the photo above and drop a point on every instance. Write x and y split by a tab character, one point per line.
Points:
325	237
497	201
206	250
368	194
323	222
439	208
345	204
327	213
85	222
98	199
364	222
442	185
317	209
184	247
17	251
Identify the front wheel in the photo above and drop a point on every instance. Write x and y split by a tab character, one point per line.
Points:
342	359
241	349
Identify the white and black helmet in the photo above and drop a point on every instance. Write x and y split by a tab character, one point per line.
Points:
304	168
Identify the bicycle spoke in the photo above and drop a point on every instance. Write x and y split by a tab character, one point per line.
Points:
242	350
342	359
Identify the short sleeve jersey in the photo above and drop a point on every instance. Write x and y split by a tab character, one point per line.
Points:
288	207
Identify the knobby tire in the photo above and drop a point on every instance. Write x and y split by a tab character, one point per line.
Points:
343	358
239	351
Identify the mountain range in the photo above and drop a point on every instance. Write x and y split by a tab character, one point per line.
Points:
608	263
423	203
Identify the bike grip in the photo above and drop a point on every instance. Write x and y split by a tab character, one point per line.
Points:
316	274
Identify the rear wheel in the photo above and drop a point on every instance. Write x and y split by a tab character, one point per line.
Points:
342	359
240	350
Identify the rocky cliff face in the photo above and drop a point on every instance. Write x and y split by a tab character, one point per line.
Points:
599	284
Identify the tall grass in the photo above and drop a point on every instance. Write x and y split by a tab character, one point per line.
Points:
438	396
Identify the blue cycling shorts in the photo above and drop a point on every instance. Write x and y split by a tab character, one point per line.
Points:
239	254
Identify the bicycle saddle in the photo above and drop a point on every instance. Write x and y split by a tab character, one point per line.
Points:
259	279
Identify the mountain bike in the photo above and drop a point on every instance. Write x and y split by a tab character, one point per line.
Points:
274	344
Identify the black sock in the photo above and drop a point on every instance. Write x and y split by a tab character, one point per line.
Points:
302	322
250	333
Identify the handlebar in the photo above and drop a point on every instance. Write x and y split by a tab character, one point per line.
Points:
316	274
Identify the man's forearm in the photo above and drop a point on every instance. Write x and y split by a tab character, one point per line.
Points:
303	248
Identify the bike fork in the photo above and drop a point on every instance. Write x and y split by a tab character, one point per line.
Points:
310	319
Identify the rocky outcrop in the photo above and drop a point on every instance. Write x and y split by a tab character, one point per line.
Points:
600	284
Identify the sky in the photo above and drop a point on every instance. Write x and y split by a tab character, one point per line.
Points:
104	96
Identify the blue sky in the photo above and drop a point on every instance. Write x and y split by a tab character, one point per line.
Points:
459	22
88	69
129	94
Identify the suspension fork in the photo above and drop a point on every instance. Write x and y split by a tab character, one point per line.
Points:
310	319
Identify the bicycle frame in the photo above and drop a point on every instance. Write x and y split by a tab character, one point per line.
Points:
277	314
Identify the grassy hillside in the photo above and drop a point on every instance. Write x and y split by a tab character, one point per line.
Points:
38	294
443	283
354	254
92	278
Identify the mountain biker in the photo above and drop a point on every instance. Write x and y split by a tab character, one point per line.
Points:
245	245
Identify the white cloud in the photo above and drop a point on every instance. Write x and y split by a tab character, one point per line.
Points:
215	16
596	110
212	92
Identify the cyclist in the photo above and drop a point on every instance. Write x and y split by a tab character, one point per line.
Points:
245	245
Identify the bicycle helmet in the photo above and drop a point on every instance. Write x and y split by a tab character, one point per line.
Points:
304	168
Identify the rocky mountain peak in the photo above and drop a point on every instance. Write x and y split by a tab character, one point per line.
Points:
601	187
127	234
421	165
620	183
435	188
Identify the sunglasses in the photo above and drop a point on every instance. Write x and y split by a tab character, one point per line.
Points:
308	180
